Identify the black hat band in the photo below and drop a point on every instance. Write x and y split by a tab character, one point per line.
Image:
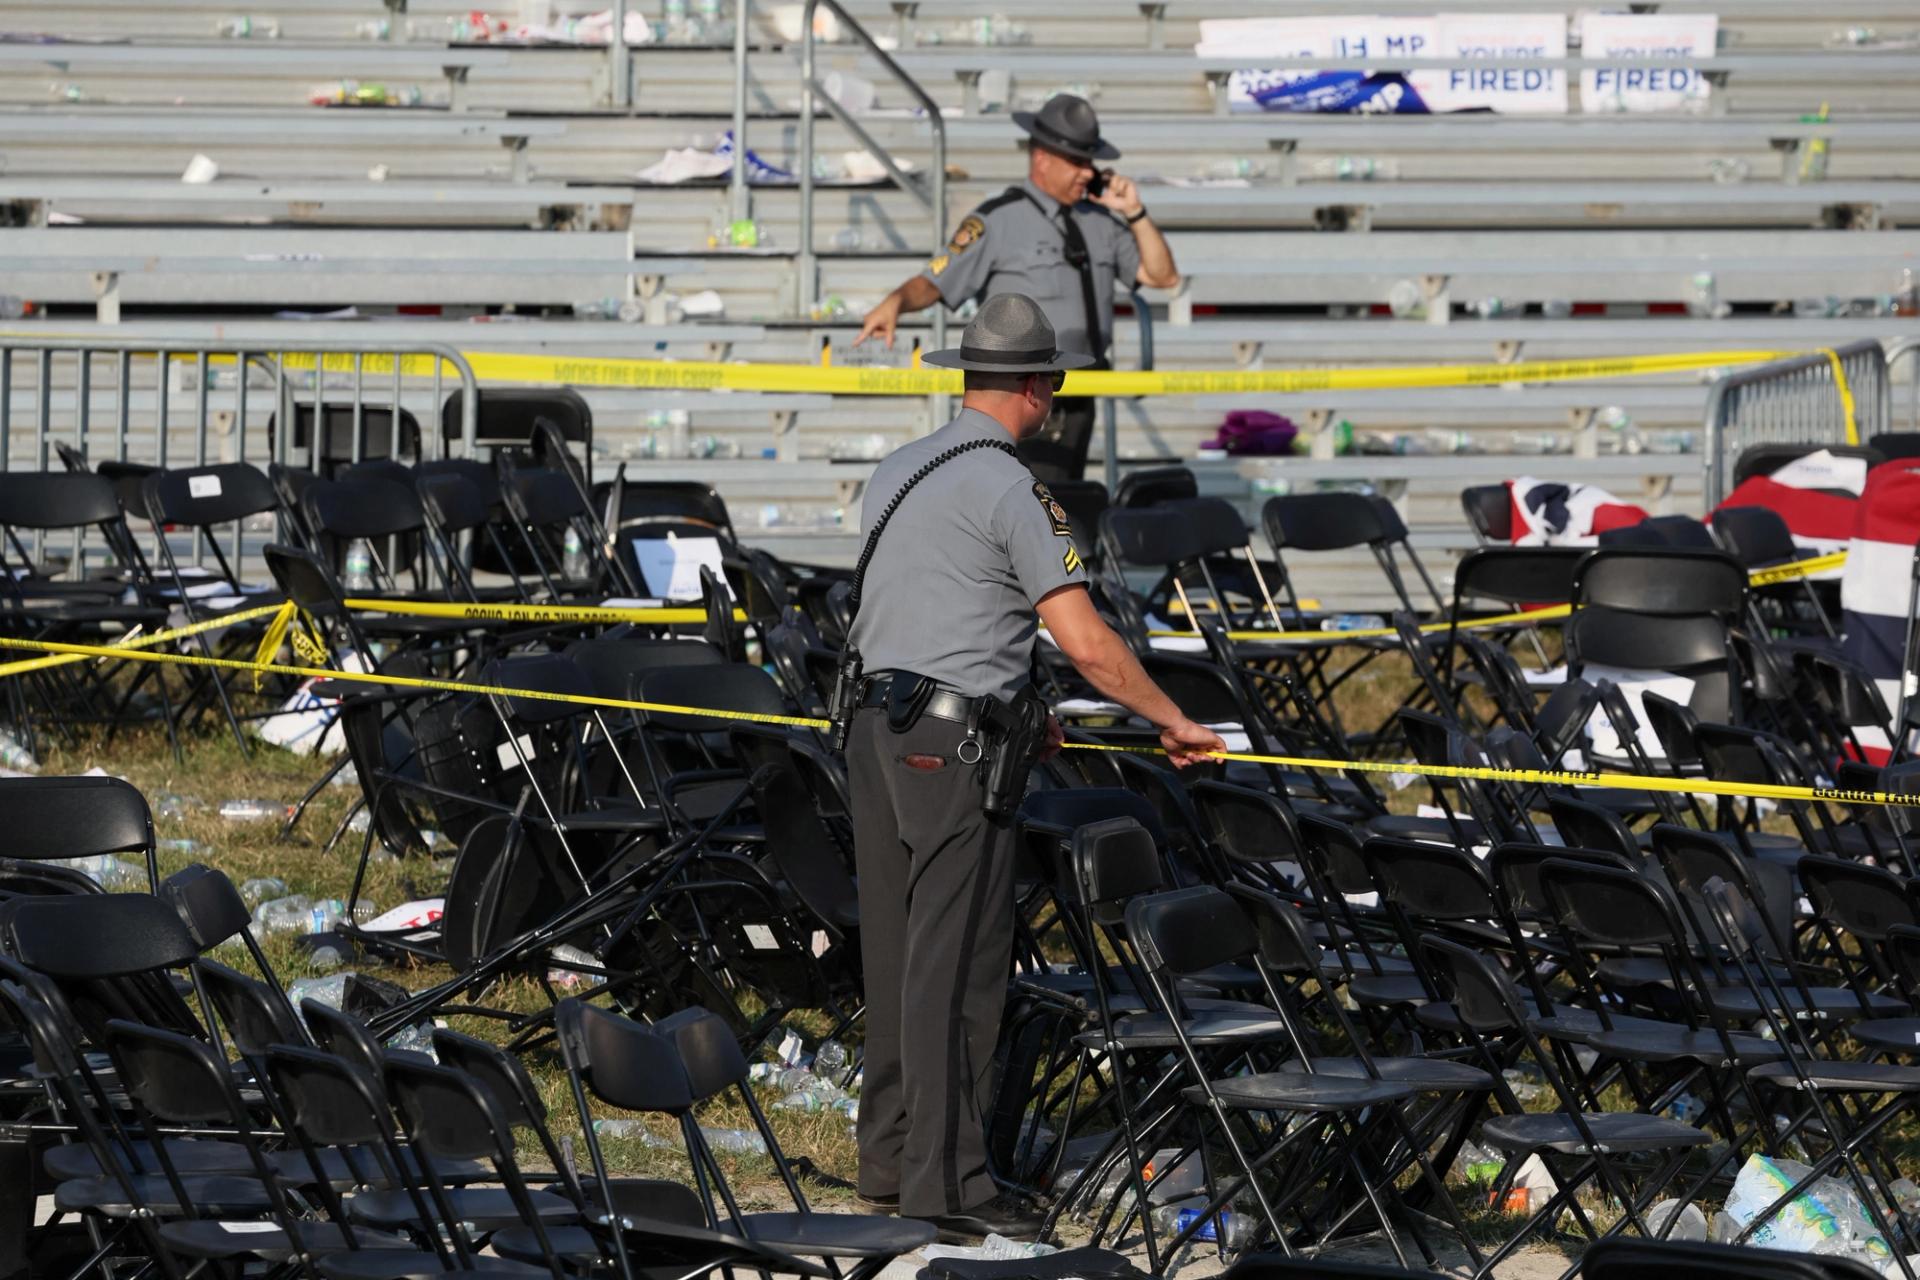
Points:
1048	136
980	355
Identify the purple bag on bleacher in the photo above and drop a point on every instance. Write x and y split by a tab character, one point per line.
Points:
1255	432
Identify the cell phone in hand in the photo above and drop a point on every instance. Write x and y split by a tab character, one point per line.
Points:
1097	184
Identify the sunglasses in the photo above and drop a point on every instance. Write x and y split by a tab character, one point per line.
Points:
1058	378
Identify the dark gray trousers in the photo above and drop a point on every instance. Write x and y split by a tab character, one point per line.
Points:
936	943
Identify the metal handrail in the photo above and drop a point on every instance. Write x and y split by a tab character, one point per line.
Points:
934	199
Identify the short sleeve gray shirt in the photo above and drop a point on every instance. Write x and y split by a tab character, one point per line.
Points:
1013	244
951	589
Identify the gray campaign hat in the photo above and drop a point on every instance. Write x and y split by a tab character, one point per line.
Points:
1068	125
1009	334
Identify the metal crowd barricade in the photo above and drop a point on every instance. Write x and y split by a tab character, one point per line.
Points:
1794	401
179	402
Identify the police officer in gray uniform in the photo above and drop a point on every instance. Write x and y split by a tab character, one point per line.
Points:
972	553
1064	237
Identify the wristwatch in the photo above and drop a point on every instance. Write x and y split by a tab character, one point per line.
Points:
1136	217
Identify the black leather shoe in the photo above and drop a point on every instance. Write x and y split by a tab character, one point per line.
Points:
877	1204
1004	1215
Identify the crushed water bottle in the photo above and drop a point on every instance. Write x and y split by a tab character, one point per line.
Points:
830	1060
250	810
14	754
359	567
738	1141
107	871
298	913
565	977
262	889
330	990
1353	622
1230	1229
170	804
415	1039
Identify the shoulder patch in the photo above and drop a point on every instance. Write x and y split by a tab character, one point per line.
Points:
1056	514
971	231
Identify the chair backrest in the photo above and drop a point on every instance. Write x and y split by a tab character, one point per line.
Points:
111	935
370	507
1171	533
1185	931
1517	575
1664	583
448	1115
1430	882
176	1078
554	673
56	499
1323	521
1248	826
207	903
331	1101
1113	860
1332	850
1204	690
734	686
73	817
337	430
625	1063
1282	934
1489	509
506	417
654	508
1754	535
1585	825
255	1018
709	1051
799	844
1683	532
1480	993
613	659
544	495
1150	486
1673	724
1894	445
340	1033
499	1071
454	502
1610	906
199	496
1868	902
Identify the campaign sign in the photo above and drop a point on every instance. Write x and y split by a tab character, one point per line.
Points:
1503	37
1606	90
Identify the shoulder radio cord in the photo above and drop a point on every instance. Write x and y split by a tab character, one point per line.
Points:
846	684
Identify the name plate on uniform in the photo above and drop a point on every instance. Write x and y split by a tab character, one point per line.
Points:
671	565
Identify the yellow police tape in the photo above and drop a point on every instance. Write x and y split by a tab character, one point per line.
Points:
535	612
1755	577
1549	777
158	637
712	375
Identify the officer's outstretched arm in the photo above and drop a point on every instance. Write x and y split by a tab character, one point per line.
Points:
1100	655
916	293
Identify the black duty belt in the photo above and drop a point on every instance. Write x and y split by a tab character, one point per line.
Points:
944	704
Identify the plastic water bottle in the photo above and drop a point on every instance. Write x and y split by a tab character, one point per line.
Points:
573	556
14	754
244	27
830	1060
281	915
359	569
1231	1229
1354	622
249	810
738	1141
186	848
675	28
262	889
108	872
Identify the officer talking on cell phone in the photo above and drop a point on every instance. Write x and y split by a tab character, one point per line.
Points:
965	554
1064	238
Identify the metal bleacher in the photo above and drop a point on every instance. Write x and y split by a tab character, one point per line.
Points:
507	198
